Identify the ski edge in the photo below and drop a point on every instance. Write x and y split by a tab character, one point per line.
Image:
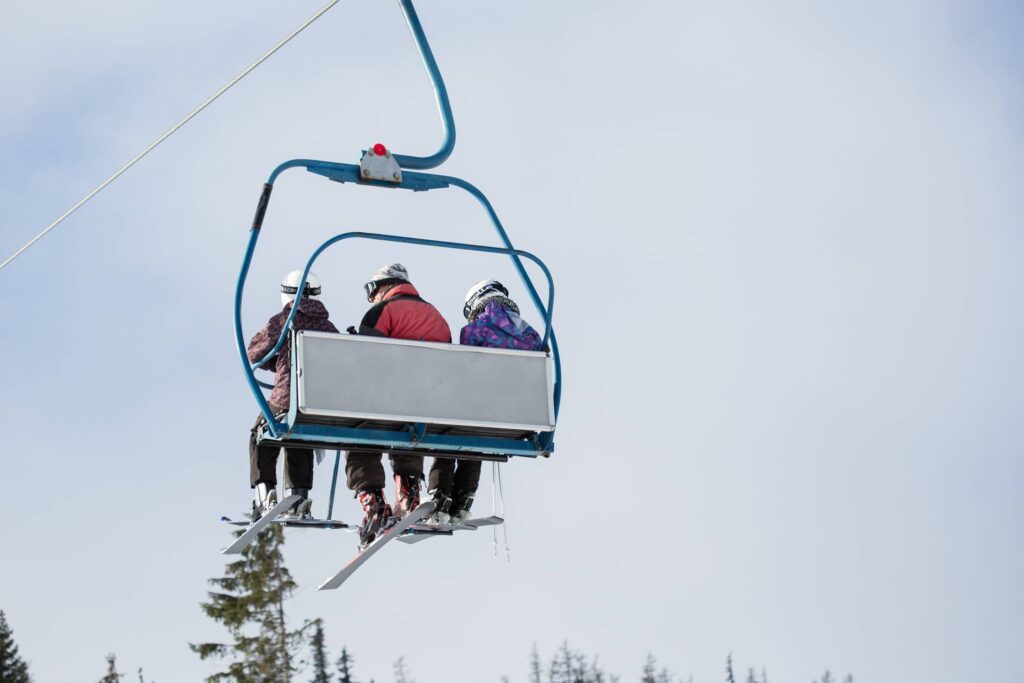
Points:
259	525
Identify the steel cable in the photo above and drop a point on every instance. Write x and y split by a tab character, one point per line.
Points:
210	100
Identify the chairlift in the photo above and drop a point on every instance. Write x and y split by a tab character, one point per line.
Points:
355	392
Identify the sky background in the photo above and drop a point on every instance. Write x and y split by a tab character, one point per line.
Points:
786	240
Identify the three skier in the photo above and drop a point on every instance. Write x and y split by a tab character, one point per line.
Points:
397	311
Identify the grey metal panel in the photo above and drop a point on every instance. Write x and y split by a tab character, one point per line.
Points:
408	381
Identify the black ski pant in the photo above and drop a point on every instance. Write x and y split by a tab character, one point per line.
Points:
365	470
455	478
298	463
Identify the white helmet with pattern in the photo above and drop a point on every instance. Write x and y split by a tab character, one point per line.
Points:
290	287
481	292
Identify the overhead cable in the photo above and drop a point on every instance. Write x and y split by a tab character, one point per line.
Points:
284	41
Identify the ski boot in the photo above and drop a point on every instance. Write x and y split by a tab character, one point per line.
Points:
301	510
442	504
264	500
407	495
377	516
461	503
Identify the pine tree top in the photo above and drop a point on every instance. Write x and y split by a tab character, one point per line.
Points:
12	668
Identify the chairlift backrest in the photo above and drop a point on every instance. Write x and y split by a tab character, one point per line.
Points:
494	392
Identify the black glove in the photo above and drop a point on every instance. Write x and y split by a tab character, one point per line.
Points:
352	329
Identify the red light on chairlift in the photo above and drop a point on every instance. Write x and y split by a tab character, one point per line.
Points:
380	150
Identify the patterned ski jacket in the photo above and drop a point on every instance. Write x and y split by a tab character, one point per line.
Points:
312	315
404	315
500	326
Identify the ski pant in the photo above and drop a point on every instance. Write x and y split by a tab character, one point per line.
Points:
365	470
298	463
454	477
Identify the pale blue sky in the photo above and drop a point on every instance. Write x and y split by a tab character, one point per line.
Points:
786	241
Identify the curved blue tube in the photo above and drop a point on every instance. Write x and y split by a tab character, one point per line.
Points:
440	92
250	376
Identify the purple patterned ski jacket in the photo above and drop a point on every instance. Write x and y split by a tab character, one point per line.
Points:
501	327
312	315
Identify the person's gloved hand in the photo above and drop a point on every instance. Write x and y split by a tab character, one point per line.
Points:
352	329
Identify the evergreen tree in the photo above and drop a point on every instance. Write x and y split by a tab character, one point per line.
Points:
729	677
112	675
570	666
535	671
401	676
560	669
650	673
249	603
320	673
649	669
12	668
345	663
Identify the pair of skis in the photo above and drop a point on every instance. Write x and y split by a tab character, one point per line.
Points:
410	529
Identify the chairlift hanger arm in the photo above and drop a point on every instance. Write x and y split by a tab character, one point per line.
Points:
440	92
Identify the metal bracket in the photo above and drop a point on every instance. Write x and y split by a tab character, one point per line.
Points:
378	164
416	431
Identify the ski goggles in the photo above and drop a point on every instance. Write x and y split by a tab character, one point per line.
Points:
373	286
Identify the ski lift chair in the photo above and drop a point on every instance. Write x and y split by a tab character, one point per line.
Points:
356	392
367	393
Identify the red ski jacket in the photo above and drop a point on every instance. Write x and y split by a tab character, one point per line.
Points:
404	315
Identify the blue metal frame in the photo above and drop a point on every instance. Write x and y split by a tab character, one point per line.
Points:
415	436
419	182
440	92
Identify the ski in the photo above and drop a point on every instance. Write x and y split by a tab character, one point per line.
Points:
368	552
493	520
415	535
468	525
421	532
298	523
259	525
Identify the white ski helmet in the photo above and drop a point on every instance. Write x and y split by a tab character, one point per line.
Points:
391	274
480	292
290	287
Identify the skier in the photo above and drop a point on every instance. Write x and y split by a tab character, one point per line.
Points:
492	320
398	312
298	474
